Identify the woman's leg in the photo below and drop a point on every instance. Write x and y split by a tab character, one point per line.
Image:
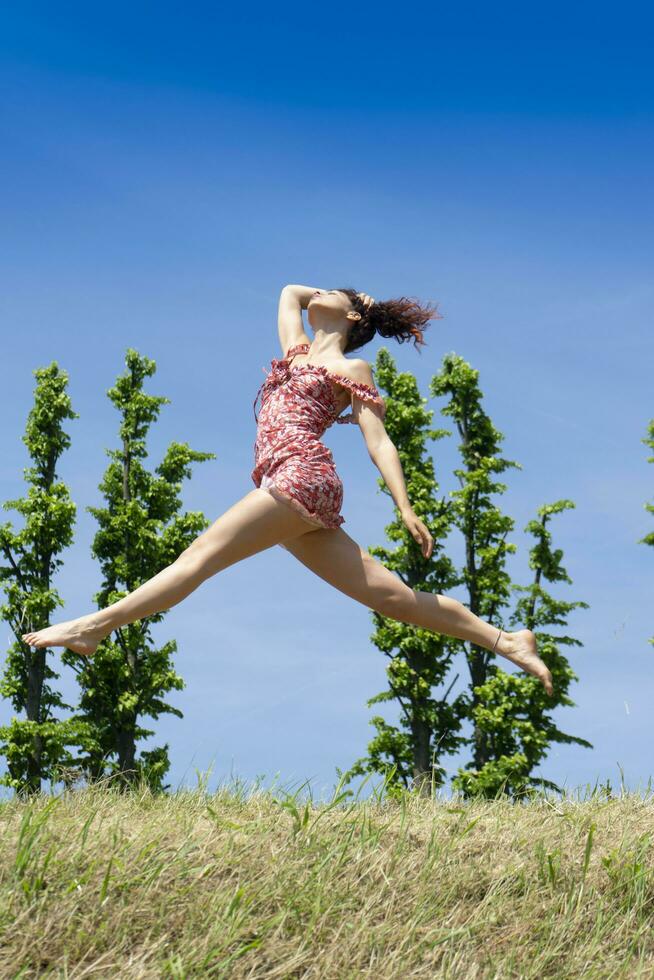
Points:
254	523
335	557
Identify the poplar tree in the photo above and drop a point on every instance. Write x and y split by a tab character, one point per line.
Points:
512	728
508	713
482	524
513	711
408	754
35	745
649	538
141	532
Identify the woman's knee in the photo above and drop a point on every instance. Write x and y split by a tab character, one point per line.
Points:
393	602
202	557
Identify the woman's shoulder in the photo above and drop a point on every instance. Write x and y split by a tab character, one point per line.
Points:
360	382
357	369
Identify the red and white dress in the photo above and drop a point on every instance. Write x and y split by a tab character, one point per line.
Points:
298	404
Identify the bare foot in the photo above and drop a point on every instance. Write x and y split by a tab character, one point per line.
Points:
520	649
80	635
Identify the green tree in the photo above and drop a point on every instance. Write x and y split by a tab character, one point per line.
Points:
35	746
649	538
483	526
512	711
419	659
141	532
511	727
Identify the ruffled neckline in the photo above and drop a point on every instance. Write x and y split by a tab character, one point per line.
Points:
281	368
360	388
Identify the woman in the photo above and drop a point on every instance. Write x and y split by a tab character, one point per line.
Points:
298	494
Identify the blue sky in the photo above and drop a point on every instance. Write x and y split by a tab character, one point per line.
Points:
165	171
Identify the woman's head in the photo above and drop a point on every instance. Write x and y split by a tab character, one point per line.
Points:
402	318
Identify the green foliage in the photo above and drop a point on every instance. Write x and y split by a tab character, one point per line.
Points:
141	531
509	713
419	659
483	526
512	729
35	745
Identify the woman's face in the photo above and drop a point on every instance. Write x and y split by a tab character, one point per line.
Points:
331	303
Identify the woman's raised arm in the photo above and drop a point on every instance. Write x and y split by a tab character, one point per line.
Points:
290	325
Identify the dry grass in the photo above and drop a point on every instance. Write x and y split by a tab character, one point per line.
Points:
94	883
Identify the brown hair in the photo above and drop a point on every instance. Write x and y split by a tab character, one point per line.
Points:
403	318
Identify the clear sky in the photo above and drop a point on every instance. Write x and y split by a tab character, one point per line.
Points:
166	169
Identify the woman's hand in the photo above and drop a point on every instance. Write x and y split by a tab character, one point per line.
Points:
419	531
365	299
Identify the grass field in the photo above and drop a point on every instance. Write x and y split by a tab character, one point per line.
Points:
95	883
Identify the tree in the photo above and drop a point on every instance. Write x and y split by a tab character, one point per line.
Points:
509	712
482	524
34	746
419	658
512	711
141	532
511	729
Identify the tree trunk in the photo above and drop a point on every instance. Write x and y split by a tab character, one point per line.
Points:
421	756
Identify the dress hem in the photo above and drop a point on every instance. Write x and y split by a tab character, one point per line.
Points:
299	508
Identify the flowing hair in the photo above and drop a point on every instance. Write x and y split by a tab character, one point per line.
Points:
403	318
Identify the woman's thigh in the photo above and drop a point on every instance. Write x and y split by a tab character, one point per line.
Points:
254	523
337	558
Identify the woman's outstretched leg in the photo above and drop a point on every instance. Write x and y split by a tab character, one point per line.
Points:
256	522
335	557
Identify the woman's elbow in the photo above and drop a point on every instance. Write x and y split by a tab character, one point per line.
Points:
379	445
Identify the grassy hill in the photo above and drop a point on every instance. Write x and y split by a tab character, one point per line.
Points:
95	883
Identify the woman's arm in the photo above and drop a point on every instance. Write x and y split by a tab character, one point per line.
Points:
387	460
302	293
290	325
385	456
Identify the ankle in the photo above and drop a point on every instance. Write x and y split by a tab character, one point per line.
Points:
97	623
503	643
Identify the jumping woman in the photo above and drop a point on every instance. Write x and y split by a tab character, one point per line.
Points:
298	495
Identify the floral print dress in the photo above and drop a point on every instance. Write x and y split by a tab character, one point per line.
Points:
298	404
